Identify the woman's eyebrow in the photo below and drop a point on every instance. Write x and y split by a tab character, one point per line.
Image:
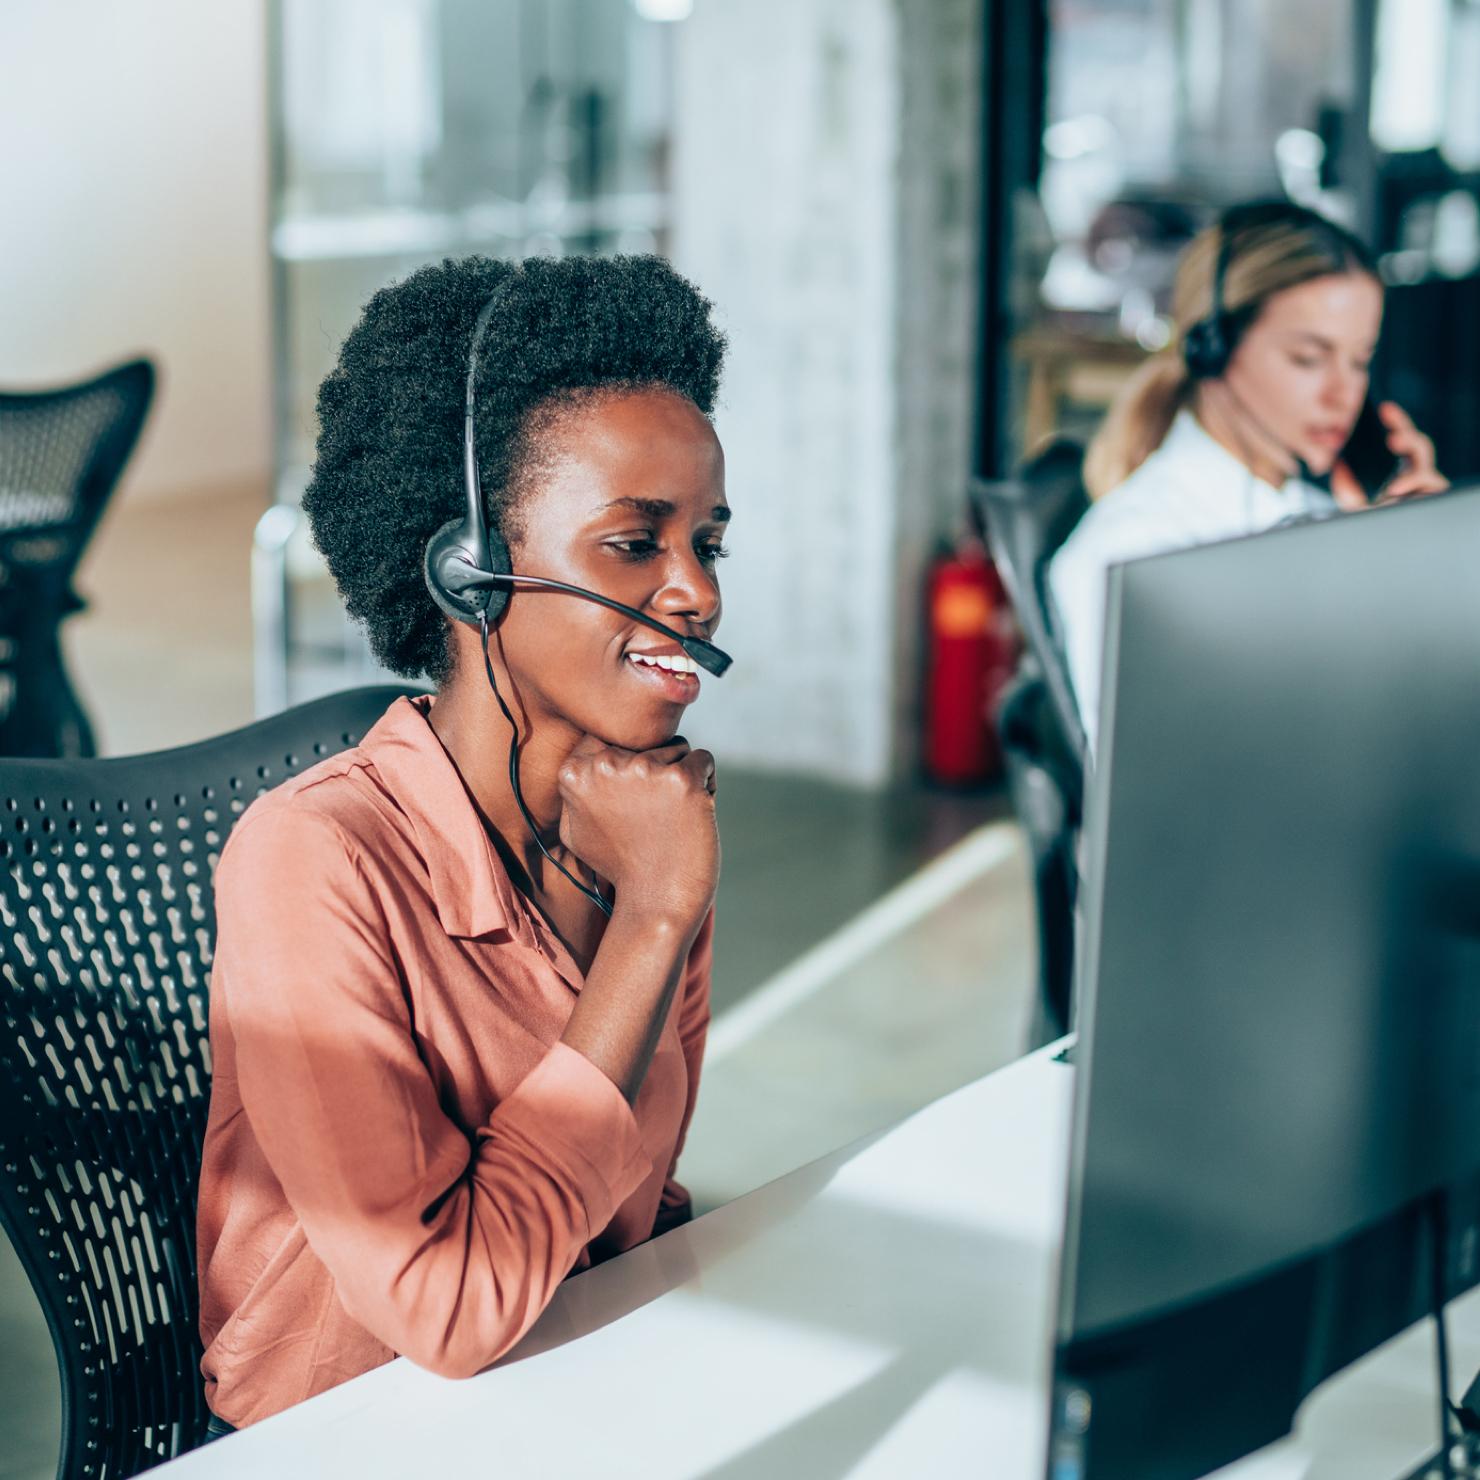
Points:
1313	337
654	508
662	508
1320	339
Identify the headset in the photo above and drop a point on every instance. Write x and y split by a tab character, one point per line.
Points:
470	577
1208	345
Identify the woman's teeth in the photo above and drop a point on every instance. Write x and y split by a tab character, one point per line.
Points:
674	663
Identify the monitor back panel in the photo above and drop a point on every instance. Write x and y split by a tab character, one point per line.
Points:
1280	983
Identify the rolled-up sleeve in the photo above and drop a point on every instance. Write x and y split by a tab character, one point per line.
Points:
444	1247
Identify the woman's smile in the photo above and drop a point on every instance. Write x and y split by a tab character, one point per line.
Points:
665	670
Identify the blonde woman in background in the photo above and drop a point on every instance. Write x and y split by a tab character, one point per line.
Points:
1277	314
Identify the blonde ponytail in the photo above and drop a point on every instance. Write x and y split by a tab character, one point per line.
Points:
1137	422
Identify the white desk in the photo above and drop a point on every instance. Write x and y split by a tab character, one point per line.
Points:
884	1312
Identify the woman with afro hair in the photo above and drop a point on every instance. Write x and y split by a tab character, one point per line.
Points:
447	1072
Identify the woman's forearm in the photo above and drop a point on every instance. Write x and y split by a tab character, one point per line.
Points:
628	993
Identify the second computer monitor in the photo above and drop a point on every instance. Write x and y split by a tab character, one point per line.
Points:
1280	986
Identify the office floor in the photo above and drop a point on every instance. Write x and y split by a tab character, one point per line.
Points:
873	951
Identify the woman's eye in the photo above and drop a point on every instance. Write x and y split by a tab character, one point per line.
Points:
638	549
1305	362
646	547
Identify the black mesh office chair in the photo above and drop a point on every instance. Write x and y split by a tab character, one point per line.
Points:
1043	741
61	454
106	933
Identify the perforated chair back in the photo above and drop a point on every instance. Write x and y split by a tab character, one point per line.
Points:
107	926
61	454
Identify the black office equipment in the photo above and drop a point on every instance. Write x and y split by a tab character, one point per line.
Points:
107	928
62	452
1026	520
1280	983
1367	454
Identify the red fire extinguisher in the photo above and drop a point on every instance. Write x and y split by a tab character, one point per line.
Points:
971	649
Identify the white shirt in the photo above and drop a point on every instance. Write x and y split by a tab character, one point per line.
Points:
1190	491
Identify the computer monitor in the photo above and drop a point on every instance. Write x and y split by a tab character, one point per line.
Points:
1279	1025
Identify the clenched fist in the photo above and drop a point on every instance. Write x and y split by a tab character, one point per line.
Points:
645	821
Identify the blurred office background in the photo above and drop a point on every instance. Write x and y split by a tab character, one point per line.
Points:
936	231
1137	119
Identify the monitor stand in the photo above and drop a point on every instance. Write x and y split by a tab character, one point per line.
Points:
1464	1462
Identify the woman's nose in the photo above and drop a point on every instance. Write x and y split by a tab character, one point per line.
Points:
1345	389
689	589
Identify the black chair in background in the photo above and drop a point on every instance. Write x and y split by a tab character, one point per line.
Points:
107	927
1026	519
61	454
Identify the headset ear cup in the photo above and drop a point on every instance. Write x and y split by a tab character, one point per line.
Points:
1204	350
451	555
500	564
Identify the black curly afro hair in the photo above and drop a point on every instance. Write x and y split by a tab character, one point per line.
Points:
388	471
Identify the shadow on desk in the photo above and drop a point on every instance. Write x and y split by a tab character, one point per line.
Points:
597	1297
910	1312
840	1434
956	1331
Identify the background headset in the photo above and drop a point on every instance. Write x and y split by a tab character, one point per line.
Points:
1208	345
470	577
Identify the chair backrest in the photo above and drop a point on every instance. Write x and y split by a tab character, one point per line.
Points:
61	453
107	928
1045	784
1027	518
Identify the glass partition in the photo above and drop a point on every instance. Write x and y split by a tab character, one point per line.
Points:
405	131
1158	113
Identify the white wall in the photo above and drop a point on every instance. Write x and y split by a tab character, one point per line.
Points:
786	200
133	193
936	306
826	199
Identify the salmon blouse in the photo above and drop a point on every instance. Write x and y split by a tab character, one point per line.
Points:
401	1157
